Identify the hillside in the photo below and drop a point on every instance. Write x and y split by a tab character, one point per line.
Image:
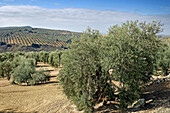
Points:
166	40
28	36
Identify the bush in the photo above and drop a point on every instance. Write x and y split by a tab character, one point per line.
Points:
35	45
43	56
39	76
5	69
33	55
19	53
22	70
163	59
6	56
54	58
130	50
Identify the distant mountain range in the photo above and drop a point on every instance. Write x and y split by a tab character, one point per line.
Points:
164	36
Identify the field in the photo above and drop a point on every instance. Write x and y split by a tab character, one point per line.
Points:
26	36
167	40
48	97
42	98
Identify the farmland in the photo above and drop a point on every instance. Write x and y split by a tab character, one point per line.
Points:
114	73
49	97
26	36
42	98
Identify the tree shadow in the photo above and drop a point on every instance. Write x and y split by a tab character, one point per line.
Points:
48	70
52	76
49	82
107	108
4	111
13	111
42	66
159	93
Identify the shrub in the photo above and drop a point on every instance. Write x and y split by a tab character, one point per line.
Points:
163	59
19	53
54	58
6	56
33	55
39	76
43	56
5	69
22	70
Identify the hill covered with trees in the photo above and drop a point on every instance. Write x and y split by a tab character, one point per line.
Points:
26	36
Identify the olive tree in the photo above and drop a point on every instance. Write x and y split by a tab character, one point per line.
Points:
6	56
163	59
83	77
39	76
23	70
5	69
130	50
54	58
43	56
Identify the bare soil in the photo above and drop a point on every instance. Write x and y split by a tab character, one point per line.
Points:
48	97
41	98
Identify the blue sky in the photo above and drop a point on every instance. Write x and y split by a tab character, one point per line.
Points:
140	6
74	13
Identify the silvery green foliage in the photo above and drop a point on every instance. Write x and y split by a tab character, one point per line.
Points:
81	74
6	56
130	50
163	59
5	69
43	56
23	69
24	72
39	76
54	58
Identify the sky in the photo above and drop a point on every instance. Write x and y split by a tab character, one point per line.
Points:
78	15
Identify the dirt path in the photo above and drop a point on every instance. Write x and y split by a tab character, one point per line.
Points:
40	98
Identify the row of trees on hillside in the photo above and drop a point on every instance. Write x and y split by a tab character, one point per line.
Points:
132	51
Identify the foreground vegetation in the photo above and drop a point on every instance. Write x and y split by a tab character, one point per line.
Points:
129	54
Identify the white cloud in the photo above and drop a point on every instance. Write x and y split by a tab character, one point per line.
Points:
56	4
74	19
